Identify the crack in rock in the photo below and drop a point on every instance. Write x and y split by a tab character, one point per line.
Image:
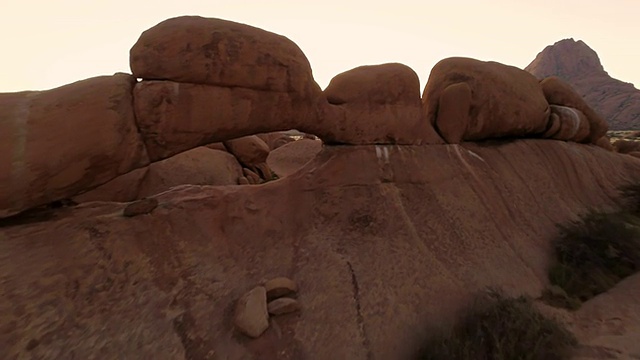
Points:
360	318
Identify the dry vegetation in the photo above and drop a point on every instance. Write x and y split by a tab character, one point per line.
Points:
498	327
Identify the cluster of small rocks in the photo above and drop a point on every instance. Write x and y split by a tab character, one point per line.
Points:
275	297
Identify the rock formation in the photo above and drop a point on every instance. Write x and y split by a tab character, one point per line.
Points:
467	99
558	92
379	103
577	64
291	157
370	229
208	81
251	152
382	248
54	143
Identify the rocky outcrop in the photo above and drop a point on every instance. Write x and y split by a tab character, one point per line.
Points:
558	92
199	166
208	81
291	157
467	99
577	64
198	50
568	124
174	117
379	104
251	316
251	152
56	143
275	139
368	238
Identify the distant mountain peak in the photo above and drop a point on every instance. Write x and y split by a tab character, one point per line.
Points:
567	59
579	65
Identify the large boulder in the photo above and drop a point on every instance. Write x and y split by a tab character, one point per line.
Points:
252	153
174	117
215	80
198	50
379	104
199	166
468	99
60	142
291	157
558	92
566	123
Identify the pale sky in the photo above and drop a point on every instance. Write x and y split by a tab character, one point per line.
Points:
48	43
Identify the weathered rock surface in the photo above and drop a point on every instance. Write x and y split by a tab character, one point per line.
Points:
174	117
199	166
283	306
275	139
140	207
124	188
251	316
163	285
291	157
279	287
198	50
608	325
468	99
626	146
576	63
379	104
605	143
251	152
59	142
569	124
558	92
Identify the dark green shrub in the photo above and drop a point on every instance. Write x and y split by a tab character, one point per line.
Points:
498	327
595	253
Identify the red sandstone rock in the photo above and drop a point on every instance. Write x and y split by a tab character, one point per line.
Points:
57	143
379	104
251	176
193	49
368	242
283	306
252	153
217	146
558	92
275	139
174	117
251	316
553	126
574	125
140	207
279	287
626	146
467	99
199	166
291	157
605	143
124	188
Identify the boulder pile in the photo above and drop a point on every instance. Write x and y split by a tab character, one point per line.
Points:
206	81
